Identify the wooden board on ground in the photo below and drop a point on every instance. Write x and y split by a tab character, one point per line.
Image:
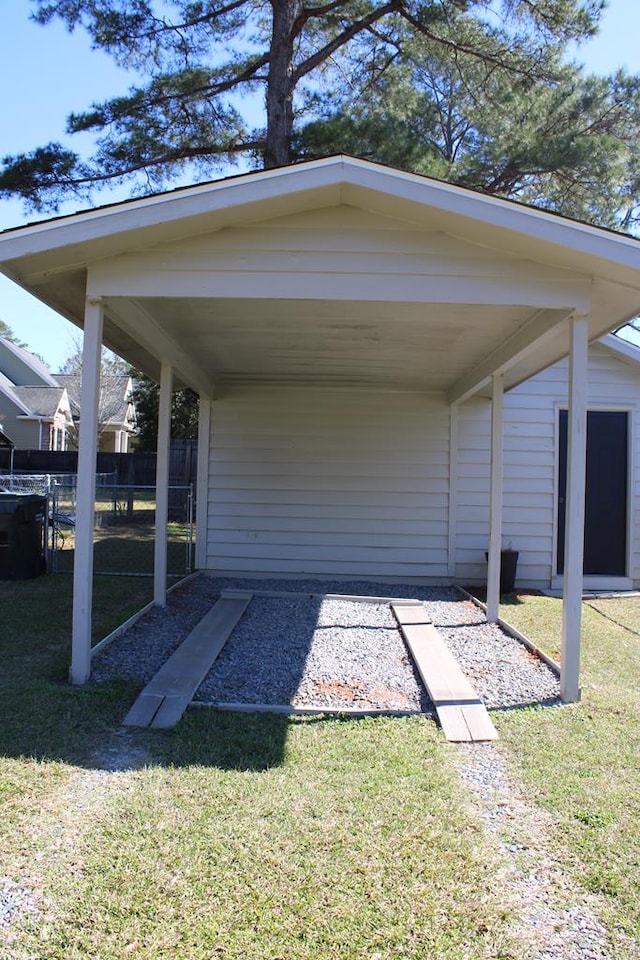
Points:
169	692
462	715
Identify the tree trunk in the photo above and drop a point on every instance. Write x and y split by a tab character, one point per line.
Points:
279	97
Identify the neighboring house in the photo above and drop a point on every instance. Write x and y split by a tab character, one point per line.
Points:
46	420
42	410
344	324
34	408
116	417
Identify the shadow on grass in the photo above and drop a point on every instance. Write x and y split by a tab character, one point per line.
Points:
82	726
508	599
128	550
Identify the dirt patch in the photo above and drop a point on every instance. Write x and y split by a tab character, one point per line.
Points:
337	693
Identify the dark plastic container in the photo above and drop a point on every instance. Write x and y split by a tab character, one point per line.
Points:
508	567
22	554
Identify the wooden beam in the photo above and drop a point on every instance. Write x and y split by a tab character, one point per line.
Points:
162	487
169	692
462	715
495	500
575	510
515	348
138	280
132	317
86	494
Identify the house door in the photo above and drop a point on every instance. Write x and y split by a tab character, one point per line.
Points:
605	535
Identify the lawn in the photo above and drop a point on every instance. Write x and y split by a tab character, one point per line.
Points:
125	547
582	763
238	837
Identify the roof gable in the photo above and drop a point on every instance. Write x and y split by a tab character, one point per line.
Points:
44	402
499	278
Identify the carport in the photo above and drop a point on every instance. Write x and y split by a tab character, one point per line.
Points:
373	301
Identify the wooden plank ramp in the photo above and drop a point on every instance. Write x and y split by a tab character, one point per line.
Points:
462	715
170	691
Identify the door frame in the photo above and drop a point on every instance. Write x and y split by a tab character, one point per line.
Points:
594	582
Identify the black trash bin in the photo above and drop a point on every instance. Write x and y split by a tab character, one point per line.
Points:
508	567
22	555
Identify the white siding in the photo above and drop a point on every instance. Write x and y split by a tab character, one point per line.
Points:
531	424
328	483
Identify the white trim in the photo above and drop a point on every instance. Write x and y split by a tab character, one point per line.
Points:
162	487
85	497
596	583
622	348
516	348
337	172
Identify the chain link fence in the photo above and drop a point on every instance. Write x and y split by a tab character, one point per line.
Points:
124	531
42	484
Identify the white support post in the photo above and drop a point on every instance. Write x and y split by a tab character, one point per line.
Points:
85	494
454	421
495	502
202	491
162	487
575	506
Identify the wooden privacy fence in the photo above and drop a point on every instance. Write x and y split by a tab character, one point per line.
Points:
133	469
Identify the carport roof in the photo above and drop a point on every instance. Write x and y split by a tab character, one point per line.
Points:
514	327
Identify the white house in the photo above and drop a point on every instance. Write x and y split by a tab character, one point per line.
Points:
34	408
343	324
41	409
535	475
116	411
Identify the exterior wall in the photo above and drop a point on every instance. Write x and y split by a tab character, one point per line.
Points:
530	474
24	433
307	481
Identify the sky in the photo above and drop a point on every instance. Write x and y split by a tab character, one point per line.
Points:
46	73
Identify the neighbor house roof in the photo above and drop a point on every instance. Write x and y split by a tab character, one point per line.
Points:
115	395
42	402
30	363
8	388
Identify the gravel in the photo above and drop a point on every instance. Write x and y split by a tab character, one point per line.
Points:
554	913
311	651
14	901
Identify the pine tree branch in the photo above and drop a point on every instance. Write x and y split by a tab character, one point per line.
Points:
359	26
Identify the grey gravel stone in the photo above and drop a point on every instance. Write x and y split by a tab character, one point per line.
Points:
14	900
554	914
315	651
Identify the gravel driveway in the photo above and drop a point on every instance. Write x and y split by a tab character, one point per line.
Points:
314	651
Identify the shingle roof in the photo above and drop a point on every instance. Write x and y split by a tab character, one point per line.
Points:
41	401
114	391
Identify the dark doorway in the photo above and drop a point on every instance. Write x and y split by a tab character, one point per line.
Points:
605	535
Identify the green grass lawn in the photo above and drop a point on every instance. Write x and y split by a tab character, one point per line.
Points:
582	763
243	837
128	548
